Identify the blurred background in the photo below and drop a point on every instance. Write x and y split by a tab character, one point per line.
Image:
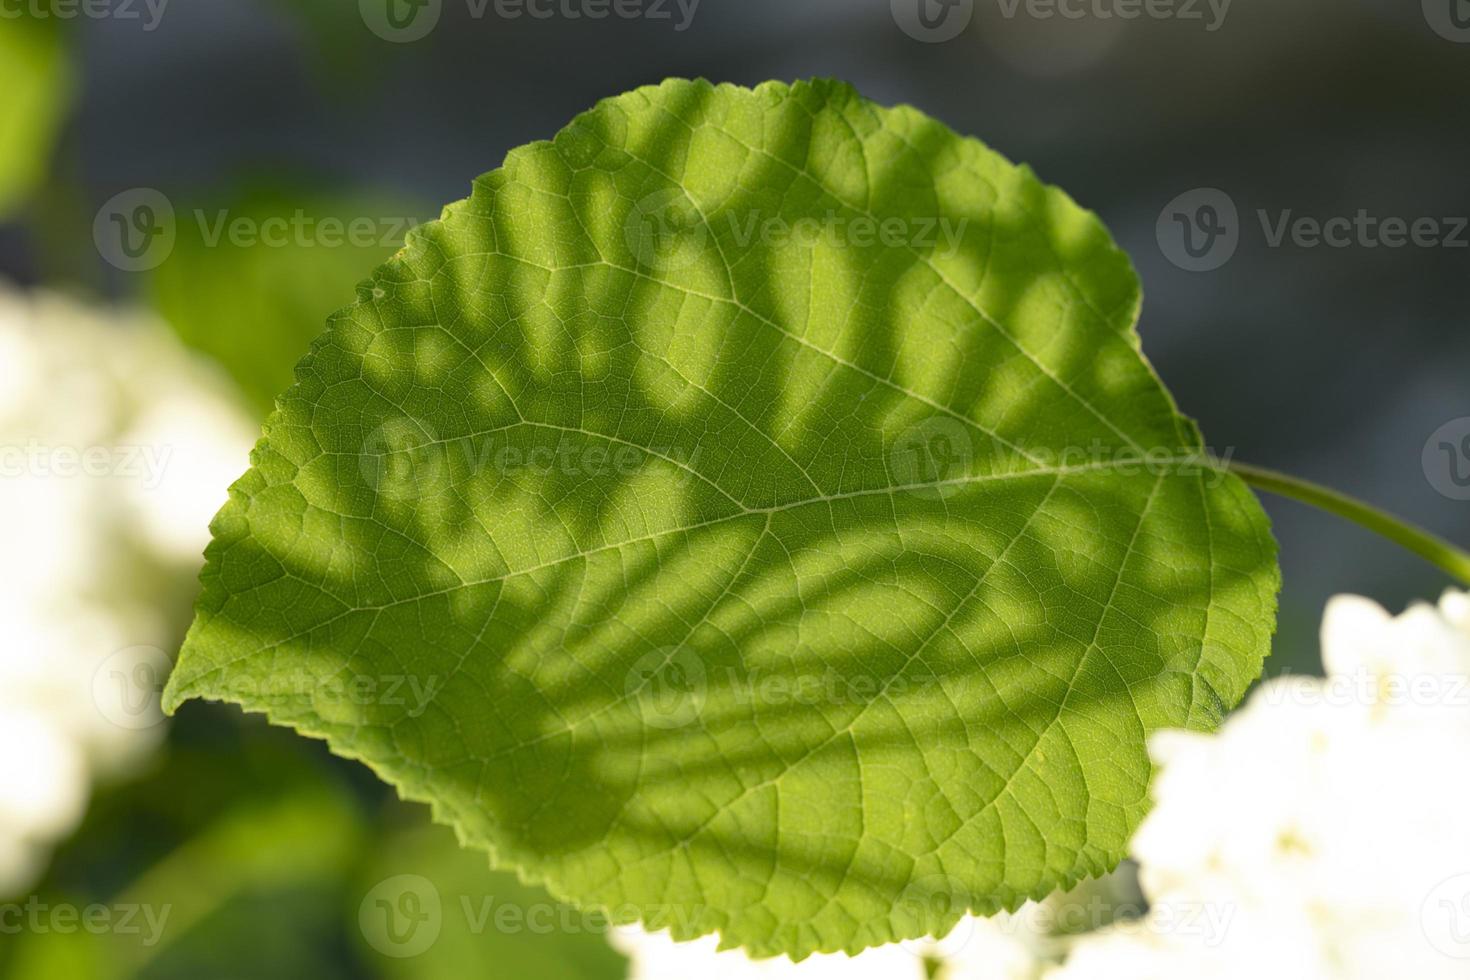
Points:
188	190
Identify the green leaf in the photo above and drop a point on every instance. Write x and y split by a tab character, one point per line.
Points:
36	81
763	562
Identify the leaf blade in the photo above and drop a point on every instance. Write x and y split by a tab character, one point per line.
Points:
868	621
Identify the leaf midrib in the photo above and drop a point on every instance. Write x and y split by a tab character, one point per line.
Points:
1060	473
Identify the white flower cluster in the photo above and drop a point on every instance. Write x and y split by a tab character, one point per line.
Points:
991	950
1325	826
1002	947
1322	834
116	448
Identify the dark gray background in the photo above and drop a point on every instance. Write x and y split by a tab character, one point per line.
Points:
1334	363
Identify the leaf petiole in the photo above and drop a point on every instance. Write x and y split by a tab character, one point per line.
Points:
1439	552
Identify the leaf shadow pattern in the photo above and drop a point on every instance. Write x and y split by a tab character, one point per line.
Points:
767	498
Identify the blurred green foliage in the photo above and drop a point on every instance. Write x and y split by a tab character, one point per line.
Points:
35	90
255	853
252	280
486	918
240	863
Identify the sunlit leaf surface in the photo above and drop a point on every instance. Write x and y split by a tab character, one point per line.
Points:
748	511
